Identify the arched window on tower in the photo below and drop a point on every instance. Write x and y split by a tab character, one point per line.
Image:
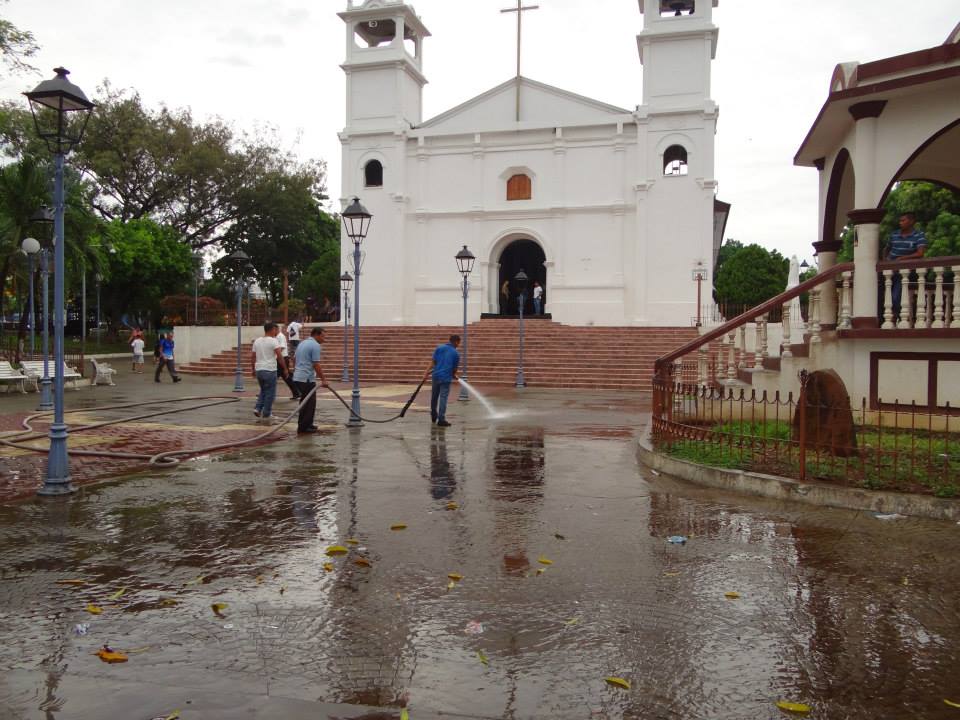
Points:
519	187
373	174
675	160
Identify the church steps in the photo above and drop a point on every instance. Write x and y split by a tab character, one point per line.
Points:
555	355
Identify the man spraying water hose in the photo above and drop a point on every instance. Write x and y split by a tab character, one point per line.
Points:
306	371
442	371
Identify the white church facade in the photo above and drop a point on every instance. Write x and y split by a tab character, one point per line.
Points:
612	210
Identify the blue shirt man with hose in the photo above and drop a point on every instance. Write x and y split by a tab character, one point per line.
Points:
305	373
442	371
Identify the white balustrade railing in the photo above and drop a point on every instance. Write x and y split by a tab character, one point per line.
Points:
918	295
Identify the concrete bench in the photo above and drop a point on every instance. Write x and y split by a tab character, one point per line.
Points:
102	371
9	376
34	369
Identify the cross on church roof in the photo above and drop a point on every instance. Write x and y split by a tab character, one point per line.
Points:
519	10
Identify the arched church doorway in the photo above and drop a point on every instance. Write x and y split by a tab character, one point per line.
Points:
528	256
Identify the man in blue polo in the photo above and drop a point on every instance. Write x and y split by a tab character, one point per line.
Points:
906	243
442	371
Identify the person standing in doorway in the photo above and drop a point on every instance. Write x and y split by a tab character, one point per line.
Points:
537	298
505	297
283	367
166	358
267	362
442	371
306	371
293	335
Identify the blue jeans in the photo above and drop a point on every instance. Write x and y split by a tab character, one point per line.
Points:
268	391
536	306
438	400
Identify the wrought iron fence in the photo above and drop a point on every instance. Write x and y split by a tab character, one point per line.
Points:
897	446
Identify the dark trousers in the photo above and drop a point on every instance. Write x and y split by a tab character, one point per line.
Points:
309	408
171	368
438	400
287	378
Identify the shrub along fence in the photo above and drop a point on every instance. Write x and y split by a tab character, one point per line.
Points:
892	446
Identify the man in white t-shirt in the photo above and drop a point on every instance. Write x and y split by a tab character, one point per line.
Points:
537	298
293	335
267	360
137	345
285	354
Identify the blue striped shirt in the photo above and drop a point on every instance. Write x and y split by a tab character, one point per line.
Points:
901	245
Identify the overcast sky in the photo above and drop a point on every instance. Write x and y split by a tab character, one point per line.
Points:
276	63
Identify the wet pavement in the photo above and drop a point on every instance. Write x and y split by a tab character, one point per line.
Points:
567	579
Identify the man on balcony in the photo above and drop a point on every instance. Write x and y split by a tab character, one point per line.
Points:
907	243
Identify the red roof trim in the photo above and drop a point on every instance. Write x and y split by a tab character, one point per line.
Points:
909	61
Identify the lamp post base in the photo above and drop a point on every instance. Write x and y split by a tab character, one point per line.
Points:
521	381
238	382
355	421
345	376
57	480
46	397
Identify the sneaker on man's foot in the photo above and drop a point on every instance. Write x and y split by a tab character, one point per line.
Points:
177	379
442	423
256	413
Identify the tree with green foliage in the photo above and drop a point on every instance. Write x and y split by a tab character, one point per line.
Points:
15	46
148	262
751	275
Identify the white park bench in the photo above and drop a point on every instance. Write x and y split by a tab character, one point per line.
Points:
34	369
102	371
11	376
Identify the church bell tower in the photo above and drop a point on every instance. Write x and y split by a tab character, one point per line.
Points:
384	83
676	186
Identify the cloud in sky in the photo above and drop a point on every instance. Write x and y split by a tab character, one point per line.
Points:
277	63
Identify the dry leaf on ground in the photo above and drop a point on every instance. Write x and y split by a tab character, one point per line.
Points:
218	609
618	682
94	609
793	707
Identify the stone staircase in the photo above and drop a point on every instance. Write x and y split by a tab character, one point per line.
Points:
555	355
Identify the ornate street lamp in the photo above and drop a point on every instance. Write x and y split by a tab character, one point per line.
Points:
465	260
60	112
30	247
356	223
521	280
346	282
239	260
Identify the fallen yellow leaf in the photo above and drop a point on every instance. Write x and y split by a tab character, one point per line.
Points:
572	621
732	595
544	561
168	602
118	594
541	571
352	541
94	609
398	526
362	562
451	585
71	582
457	577
618	682
793	707
173	716
452	505
328	566
671	574
337	550
951	703
111	656
218	609
482	658
196	581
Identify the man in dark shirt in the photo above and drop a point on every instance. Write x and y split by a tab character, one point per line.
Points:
442	371
906	243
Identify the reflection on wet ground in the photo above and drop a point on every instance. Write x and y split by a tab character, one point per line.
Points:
567	579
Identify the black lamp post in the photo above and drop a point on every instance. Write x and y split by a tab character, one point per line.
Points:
521	280
346	282
239	260
465	260
356	223
60	112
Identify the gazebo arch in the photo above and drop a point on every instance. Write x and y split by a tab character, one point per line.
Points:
935	161
840	197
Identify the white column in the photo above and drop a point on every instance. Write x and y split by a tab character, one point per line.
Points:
866	254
